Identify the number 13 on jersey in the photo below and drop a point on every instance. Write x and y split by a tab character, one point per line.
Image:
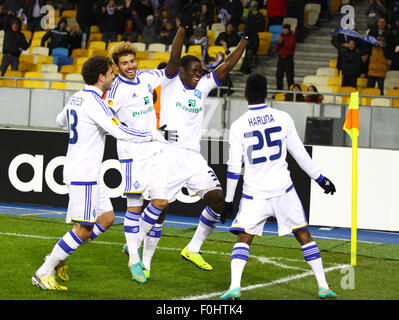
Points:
260	145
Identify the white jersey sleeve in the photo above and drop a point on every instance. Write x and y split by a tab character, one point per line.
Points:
297	150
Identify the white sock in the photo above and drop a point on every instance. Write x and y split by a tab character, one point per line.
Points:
150	244
239	258
312	256
98	230
61	251
207	223
148	219
131	227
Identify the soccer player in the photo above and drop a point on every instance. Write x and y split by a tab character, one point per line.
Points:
182	109
262	136
89	208
143	164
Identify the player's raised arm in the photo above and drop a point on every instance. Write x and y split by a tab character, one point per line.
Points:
232	59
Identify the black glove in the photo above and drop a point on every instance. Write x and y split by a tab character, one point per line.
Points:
227	212
187	15
169	135
327	185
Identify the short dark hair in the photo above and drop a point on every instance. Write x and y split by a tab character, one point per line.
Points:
95	66
256	88
185	61
287	26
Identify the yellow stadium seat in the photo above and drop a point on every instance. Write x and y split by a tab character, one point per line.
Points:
69	68
279	96
78	52
211	37
393	93
110	45
334	81
97	45
27	66
35	84
27	58
346	90
142	55
69	14
95	29
27	34
38	34
44	60
36	42
96	36
366	101
361	83
81	60
163	56
148	64
195	48
99	53
214	50
263	12
11	82
265	39
58	85
333	63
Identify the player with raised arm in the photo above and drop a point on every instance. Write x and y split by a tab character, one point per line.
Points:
182	109
144	166
262	136
88	118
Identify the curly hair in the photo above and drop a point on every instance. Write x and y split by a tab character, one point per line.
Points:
121	49
185	61
95	66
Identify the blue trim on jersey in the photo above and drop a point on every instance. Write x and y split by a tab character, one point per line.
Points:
258	108
216	78
247	197
126	160
171	77
115	85
83	183
289	188
102	104
130	82
232	175
320	178
134	132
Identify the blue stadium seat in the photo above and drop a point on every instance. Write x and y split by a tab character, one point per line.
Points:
275	30
61	61
59	52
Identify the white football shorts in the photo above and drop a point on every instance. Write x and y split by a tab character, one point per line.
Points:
147	176
253	213
187	168
87	201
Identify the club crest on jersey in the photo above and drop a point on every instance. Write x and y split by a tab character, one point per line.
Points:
197	94
136	184
146	100
191	103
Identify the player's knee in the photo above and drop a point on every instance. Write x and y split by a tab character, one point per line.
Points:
107	219
160	203
83	231
215	199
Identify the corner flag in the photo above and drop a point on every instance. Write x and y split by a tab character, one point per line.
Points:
351	127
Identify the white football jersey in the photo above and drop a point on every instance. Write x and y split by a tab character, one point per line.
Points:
182	109
262	136
132	101
88	119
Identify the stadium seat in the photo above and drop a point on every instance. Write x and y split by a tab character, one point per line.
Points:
238	65
60	52
110	45
218	28
40	51
98	53
35	84
213	51
52	68
74	86
366	101
211	37
391	83
313	10
148	64
142	55
81	60
195	49
334	81
361	83
78	52
11	82
38	34
275	30
333	63
293	22
393	93
140	46
96	36
346	90
164	56
27	34
52	75
44	59
329	72
156	47
184	49
316	80
68	68
58	85
380	102
68	14
61	61
27	58
27	66
97	45
94	28
74	77
330	99
392	74
265	39
280	96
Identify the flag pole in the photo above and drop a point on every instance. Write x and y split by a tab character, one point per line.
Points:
354	202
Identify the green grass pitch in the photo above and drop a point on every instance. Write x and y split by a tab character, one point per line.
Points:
276	269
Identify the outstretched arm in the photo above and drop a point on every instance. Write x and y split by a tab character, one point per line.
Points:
174	61
232	59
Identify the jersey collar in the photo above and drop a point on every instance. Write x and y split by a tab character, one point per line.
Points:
257	106
94	89
133	82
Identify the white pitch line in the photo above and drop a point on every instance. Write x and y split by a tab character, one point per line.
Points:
267	284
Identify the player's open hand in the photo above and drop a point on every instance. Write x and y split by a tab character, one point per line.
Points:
327	185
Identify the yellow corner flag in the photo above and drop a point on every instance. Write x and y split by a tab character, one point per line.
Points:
351	127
